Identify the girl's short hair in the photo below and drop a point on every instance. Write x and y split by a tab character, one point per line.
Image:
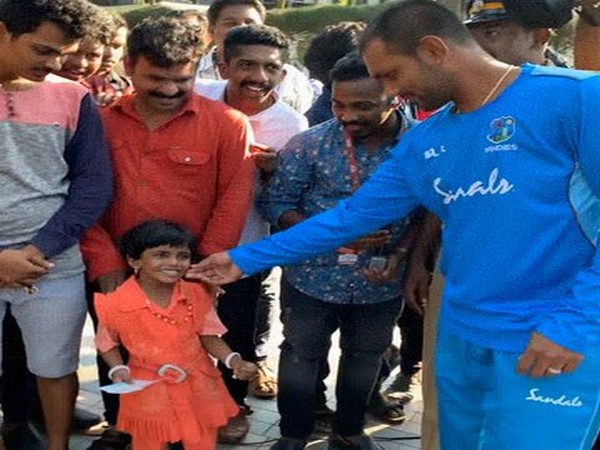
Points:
154	233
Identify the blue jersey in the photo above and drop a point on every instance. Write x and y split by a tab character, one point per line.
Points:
516	184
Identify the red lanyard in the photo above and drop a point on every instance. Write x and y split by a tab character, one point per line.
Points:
351	155
352	163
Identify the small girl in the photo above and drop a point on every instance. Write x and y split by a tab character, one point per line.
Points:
170	328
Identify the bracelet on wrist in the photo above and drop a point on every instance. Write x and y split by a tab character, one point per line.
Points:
229	357
112	371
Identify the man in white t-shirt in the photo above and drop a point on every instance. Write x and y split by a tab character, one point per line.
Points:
253	63
294	89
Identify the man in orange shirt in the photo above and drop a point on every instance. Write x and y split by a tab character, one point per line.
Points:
176	156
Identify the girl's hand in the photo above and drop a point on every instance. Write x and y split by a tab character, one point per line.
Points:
121	375
243	370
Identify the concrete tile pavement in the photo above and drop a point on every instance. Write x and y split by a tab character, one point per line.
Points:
264	421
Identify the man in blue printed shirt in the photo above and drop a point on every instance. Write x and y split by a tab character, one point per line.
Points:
317	169
513	175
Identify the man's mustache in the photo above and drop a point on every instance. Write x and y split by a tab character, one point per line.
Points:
264	86
168	97
360	124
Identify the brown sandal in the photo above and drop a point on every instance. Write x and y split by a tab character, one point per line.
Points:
263	385
235	431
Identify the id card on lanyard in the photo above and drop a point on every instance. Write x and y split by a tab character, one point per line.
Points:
347	256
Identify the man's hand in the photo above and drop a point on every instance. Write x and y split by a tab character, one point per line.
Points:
425	247
216	269
416	284
386	274
543	357
110	281
373	241
22	266
106	99
264	157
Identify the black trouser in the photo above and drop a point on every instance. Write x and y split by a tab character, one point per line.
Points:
365	333
237	310
20	400
264	316
411	347
110	401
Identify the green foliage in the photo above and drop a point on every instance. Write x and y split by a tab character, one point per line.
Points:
136	13
304	22
313	19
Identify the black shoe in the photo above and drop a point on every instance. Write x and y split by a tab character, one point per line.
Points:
386	411
324	420
112	440
363	442
83	419
22	437
289	444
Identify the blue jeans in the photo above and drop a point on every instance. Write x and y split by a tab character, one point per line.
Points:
485	404
365	333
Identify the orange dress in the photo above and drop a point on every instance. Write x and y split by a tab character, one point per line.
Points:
166	411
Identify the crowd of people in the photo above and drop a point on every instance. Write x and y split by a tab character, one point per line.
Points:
151	177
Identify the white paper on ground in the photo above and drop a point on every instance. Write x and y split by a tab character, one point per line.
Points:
126	388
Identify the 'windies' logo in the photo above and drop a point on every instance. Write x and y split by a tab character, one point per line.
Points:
503	128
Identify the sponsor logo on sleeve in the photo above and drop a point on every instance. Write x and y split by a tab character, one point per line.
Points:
434	153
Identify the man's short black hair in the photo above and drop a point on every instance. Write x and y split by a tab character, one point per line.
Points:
73	17
255	35
195	18
403	24
351	67
102	27
164	41
215	8
153	233
329	46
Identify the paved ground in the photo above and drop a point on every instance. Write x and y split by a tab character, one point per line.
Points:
264	421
